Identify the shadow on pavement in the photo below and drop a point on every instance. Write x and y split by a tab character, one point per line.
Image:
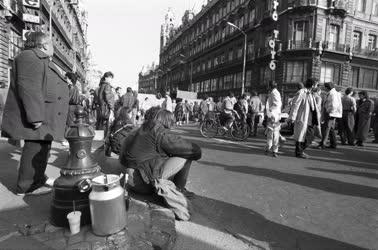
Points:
325	184
360	174
241	221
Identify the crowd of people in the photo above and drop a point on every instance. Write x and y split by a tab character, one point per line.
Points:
41	105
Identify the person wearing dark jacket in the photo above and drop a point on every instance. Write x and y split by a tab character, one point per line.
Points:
74	97
35	111
153	152
105	100
365	108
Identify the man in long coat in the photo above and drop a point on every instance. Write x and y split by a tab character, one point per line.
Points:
306	117
35	111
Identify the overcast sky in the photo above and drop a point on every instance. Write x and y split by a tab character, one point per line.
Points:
124	35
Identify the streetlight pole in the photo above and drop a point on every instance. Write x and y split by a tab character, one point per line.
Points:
244	54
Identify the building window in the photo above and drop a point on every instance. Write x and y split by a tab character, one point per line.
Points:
361	5
15	44
220	83
334	34
357	39
213	84
375	8
300	31
252	15
230	55
355	76
266	75
296	71
372	42
368	78
251	49
248	78
238	80
330	72
239	52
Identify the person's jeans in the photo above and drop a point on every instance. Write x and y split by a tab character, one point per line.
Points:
175	169
347	128
301	146
328	130
33	163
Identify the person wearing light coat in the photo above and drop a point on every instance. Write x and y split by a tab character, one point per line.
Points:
306	117
333	109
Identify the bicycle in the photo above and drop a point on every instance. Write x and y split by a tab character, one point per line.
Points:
211	127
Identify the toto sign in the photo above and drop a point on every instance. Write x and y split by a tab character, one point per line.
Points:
272	42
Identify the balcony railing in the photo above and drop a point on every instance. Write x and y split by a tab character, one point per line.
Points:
303	3
299	44
339	7
336	47
338	4
368	52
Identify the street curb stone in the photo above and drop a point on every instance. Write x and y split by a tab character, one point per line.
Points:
149	226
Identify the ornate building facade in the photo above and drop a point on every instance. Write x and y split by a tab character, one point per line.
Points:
147	80
287	41
68	24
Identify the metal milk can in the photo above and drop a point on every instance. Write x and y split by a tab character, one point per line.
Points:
107	205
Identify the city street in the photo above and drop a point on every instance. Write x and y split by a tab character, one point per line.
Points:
244	199
326	202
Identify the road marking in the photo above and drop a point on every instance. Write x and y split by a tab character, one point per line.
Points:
237	143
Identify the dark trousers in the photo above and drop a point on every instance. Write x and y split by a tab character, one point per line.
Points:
347	128
33	163
253	122
301	146
328	131
375	128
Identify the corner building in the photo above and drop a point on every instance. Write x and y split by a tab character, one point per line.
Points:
332	40
69	35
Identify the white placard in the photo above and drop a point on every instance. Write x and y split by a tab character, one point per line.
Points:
30	18
31	3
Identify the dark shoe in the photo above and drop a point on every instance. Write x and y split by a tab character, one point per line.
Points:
360	144
320	146
351	144
39	191
188	194
303	156
375	141
331	147
275	155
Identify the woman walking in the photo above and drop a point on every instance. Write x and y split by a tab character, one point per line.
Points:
365	108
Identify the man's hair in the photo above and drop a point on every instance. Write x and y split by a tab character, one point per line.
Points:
72	76
157	115
243	96
348	91
310	82
364	93
329	85
129	90
108	74
35	40
272	84
254	93
118	88
231	94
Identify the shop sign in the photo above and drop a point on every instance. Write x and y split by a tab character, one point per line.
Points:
272	42
30	18
31	3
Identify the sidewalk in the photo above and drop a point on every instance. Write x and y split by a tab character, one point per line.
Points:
24	221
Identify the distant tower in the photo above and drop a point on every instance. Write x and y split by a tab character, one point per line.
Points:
167	28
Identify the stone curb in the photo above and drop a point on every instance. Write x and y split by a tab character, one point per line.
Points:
149	226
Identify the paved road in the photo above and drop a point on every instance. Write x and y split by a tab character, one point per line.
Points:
243	196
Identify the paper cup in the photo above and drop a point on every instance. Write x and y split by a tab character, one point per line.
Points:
74	221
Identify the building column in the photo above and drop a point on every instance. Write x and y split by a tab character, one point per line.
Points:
4	49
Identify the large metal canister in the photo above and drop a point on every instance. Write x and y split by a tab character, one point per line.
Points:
107	205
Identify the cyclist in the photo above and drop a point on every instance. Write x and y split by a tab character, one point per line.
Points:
227	115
